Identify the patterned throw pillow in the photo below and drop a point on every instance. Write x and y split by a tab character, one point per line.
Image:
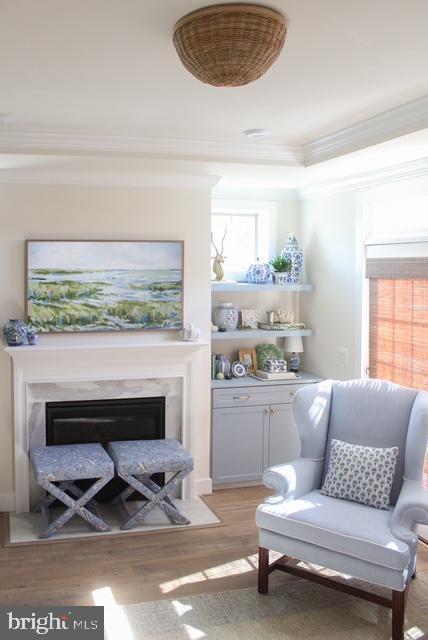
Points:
361	474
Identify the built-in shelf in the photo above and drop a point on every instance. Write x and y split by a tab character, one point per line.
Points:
260	288
259	333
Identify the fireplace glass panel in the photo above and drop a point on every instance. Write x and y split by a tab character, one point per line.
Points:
104	421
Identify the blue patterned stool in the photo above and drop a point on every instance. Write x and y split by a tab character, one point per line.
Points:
136	461
64	464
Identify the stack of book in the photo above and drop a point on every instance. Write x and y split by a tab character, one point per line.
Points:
266	375
213	366
280	326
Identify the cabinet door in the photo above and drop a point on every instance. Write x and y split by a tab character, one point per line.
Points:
284	441
238	443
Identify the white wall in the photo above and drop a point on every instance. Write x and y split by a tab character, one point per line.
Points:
38	211
288	221
332	235
328	235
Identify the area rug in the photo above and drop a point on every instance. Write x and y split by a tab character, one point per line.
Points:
295	610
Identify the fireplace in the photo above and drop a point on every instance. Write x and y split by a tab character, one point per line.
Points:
103	421
107	366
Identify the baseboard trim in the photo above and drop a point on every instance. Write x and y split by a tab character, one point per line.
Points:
7	502
203	487
238	485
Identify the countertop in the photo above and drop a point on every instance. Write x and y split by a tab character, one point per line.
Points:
301	377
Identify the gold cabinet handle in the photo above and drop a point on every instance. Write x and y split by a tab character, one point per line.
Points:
272	412
241	397
267	411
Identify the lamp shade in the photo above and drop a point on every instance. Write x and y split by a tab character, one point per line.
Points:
230	45
294	344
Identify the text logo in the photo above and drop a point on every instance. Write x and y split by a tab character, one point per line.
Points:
52	622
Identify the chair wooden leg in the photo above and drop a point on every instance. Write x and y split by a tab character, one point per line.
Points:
263	585
398	605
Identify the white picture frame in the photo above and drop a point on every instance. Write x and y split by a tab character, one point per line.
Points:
249	318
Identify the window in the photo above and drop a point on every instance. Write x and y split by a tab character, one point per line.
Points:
397	272
400	218
398	321
240	238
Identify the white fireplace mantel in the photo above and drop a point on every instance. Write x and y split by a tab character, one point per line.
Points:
66	358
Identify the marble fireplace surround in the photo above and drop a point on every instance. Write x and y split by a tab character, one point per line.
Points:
41	392
98	367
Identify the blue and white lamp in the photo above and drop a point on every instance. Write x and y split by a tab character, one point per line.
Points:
294	346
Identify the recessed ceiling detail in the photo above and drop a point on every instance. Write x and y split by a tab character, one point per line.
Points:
256	133
230	45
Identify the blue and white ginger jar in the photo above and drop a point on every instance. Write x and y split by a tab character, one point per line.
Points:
293	252
15	332
226	316
258	273
32	336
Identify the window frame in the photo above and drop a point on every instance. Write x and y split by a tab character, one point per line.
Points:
247	214
265	214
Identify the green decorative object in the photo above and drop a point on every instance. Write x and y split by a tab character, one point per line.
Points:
281	264
266	351
281	269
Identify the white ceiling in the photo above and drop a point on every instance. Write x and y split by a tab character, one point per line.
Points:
109	67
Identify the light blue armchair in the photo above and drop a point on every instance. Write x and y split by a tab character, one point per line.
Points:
375	545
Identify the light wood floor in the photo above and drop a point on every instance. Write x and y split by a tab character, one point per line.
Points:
142	568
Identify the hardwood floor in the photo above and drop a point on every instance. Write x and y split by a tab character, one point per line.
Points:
142	568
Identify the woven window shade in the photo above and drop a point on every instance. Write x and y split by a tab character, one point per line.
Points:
397	268
398	323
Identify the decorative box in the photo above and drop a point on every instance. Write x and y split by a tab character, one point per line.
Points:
274	365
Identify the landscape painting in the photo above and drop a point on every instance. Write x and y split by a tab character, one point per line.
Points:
104	286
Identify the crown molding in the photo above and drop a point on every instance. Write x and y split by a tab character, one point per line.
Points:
176	181
48	141
404	171
242	193
402	120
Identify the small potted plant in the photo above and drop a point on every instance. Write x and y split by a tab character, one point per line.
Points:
281	268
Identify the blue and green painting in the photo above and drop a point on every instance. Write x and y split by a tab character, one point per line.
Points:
104	286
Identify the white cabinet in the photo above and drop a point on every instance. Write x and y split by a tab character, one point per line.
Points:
284	442
252	429
239	447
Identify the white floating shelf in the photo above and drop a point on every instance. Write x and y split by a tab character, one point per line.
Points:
244	287
259	333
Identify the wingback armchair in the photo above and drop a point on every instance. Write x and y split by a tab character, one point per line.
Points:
375	545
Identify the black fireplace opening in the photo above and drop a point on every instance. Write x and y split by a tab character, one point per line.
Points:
104	421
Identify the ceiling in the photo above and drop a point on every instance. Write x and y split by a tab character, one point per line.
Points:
109	67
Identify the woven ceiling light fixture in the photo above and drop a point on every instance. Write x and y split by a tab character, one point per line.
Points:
230	45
